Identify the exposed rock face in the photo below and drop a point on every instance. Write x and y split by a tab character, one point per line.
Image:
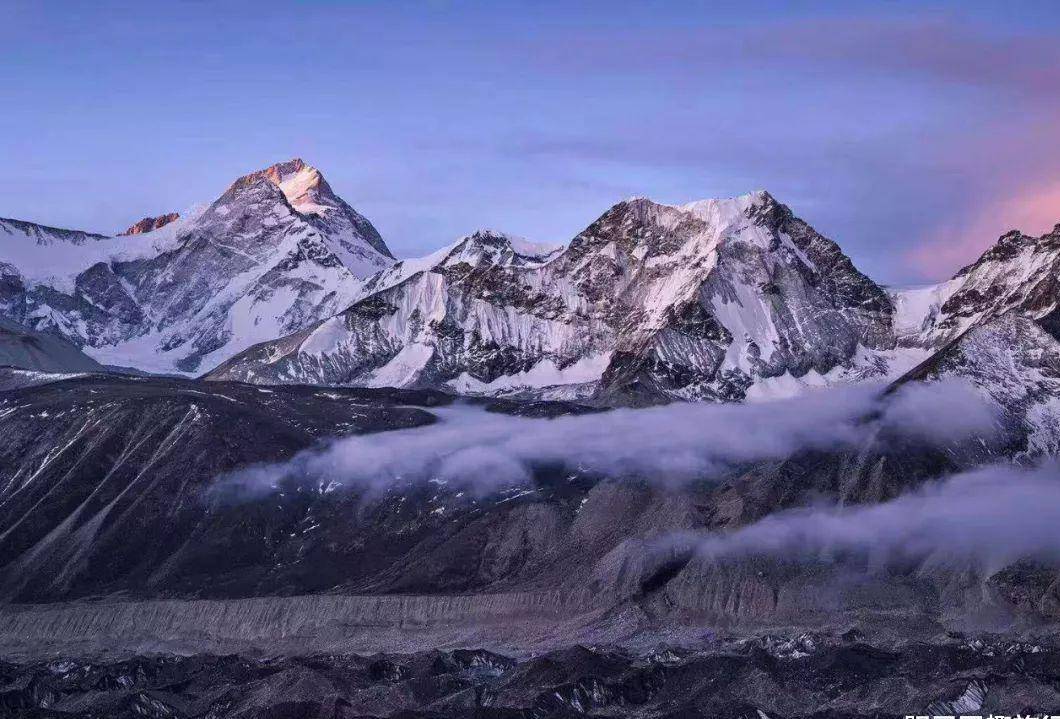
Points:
198	289
651	302
150	224
716	300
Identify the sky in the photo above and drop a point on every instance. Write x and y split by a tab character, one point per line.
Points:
913	134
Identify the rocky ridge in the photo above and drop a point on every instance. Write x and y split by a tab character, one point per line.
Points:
716	300
150	224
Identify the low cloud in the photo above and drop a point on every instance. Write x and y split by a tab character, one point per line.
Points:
484	451
937	413
989	517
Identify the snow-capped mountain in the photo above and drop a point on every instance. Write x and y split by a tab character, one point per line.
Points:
718	299
996	325
281	281
1019	272
275	253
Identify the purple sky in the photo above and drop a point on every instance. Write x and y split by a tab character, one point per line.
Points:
912	133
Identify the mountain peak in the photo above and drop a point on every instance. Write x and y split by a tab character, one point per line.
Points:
301	183
503	248
283	170
305	189
149	224
1008	247
711	209
727	209
746	199
45	234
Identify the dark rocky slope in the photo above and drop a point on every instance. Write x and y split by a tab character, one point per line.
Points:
110	488
28	349
102	480
775	676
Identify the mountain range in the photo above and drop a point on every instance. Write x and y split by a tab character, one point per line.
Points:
281	281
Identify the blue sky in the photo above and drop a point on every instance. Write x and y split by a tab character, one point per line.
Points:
912	133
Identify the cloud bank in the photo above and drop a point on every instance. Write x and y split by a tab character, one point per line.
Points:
986	518
989	517
483	451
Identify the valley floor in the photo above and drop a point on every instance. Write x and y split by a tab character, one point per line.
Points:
767	675
503	655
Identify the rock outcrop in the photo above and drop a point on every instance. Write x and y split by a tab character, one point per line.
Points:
150	224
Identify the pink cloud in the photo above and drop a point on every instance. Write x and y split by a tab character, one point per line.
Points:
1034	211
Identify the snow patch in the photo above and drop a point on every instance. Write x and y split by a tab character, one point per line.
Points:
404	368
